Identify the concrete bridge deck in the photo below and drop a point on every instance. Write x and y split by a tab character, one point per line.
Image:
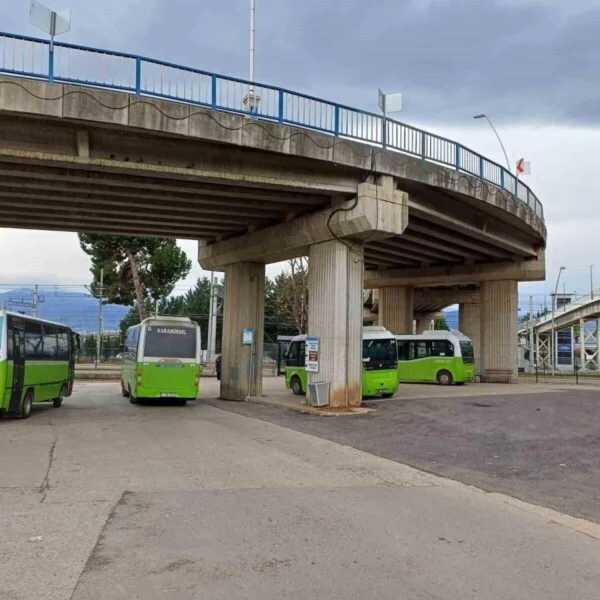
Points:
429	217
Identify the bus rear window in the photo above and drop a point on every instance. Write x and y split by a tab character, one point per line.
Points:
170	342
379	354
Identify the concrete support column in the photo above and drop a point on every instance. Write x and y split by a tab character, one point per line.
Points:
422	325
469	323
499	331
335	287
243	307
396	309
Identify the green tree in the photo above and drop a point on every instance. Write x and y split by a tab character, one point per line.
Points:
135	268
195	303
440	324
290	294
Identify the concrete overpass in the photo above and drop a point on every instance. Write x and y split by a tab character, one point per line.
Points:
577	313
252	189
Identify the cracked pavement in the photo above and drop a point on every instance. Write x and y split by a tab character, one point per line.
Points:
101	499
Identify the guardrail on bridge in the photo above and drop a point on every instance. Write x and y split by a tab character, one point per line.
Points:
70	63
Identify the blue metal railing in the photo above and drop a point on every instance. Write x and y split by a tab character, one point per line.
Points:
69	63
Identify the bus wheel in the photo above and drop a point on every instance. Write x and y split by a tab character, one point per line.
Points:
26	406
387	395
181	401
124	392
57	402
460	383
132	398
444	378
296	386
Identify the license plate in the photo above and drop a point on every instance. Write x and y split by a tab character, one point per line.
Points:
168	395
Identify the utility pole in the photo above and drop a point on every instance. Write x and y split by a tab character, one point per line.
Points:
36	300
33	305
212	320
591	282
531	344
100	317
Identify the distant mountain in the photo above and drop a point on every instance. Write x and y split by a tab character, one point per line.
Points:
80	311
75	309
451	318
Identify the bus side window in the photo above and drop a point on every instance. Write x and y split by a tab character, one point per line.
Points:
33	340
290	359
442	348
63	345
49	345
419	349
9	339
403	350
295	356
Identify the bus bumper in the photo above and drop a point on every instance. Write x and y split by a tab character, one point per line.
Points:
149	392
380	384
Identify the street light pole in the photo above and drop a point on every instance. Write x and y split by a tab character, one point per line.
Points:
553	335
484	116
252	33
591	282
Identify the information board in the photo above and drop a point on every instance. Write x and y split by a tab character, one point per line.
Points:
311	360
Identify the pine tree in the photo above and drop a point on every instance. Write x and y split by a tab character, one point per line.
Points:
135	268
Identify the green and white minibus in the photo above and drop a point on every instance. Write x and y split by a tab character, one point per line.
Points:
37	363
161	359
380	364
437	356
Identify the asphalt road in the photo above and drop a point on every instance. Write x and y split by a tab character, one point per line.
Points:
104	500
540	447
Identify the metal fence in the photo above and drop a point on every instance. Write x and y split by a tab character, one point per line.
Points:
69	63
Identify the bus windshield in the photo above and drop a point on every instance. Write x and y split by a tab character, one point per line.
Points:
170	342
379	354
466	350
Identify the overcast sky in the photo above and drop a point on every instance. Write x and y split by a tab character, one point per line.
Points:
530	64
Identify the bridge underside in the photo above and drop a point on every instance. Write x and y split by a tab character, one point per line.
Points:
63	175
254	192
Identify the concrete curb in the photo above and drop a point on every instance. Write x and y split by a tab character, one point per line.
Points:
309	410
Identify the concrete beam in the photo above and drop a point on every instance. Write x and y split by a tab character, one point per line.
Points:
378	211
522	270
503	241
443	298
172	121
570	316
396	309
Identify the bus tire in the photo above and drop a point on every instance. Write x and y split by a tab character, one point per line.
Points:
387	395
460	383
26	405
296	386
132	398
444	377
124	392
181	401
57	402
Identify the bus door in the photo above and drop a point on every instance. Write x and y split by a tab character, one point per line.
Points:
18	357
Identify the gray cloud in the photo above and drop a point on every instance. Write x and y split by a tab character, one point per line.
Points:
528	61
